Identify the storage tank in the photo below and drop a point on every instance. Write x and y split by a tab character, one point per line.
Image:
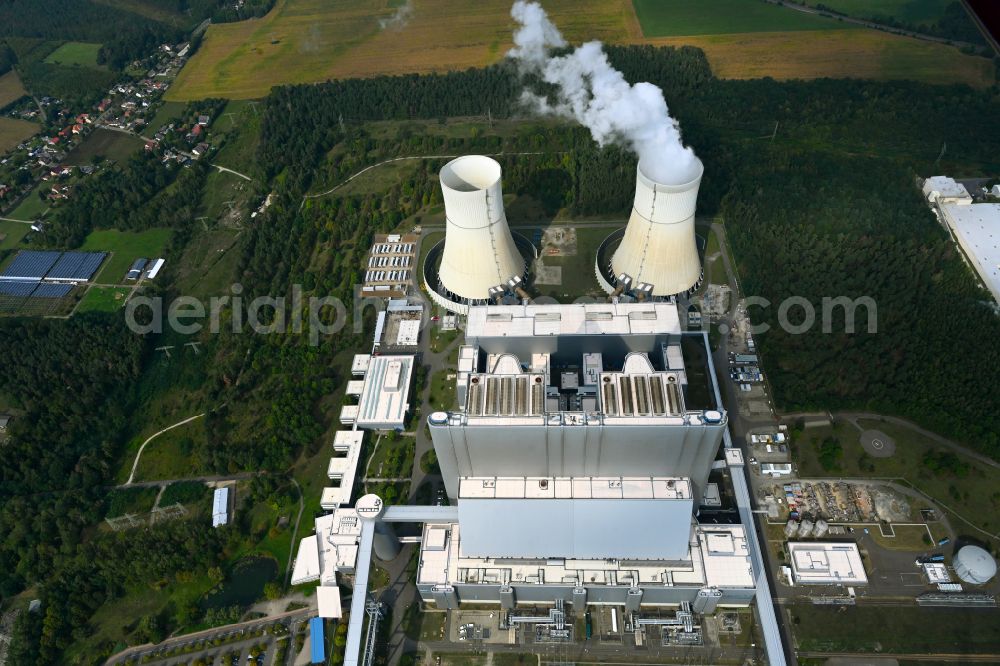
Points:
805	528
659	246
791	528
975	565
479	251
822	527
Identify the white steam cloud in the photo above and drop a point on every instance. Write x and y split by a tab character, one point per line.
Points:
591	91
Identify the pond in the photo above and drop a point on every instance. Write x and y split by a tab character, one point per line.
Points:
244	584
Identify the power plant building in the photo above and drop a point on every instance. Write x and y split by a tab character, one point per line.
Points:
577	453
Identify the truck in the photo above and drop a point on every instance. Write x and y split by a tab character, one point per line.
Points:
944	542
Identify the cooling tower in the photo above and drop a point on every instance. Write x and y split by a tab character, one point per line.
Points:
659	246
479	252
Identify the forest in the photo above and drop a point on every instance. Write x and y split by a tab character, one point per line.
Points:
815	182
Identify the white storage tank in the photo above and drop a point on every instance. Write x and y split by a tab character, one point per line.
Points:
822	527
974	565
805	528
791	528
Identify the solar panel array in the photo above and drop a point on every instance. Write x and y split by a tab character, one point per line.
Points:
46	290
30	265
16	288
78	266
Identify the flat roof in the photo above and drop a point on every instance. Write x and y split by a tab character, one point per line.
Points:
328	601
945	186
588	487
573	319
360	363
827	563
409	332
977	229
385	399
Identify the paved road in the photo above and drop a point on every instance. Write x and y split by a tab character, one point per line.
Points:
142	448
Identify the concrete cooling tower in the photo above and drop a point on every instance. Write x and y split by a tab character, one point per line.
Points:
479	252
658	253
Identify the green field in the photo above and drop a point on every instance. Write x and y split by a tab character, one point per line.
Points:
904	629
31	207
106	144
914	12
668	18
11	234
970	490
168	111
103	299
83	54
125	247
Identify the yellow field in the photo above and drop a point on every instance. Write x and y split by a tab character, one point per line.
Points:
303	41
10	88
14	131
866	54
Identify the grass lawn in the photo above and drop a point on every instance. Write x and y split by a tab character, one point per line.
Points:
443	390
13	131
131	500
208	264
168	111
970	490
11	234
907	629
910	538
11	88
914	12
302	41
393	459
103	299
83	54
666	18
31	207
169	455
125	247
441	339
111	145
577	270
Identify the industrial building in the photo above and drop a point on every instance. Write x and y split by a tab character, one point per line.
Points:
976	229
581	443
826	563
656	255
390	265
383	398
220	507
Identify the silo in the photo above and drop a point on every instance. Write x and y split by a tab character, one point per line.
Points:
805	528
975	565
659	247
822	527
479	251
791	529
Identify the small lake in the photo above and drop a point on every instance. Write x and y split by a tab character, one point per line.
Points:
244	584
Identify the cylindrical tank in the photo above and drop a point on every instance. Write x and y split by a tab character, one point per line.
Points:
822	527
384	542
659	246
975	565
479	251
805	528
791	528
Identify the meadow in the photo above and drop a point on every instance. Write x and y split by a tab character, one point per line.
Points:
11	88
83	54
303	41
667	18
125	247
11	234
13	131
103	299
104	143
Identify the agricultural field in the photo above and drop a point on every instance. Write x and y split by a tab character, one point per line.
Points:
125	247
914	12
863	54
11	88
106	144
31	207
667	18
13	131
303	41
83	54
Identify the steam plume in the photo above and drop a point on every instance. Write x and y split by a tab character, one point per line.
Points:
595	94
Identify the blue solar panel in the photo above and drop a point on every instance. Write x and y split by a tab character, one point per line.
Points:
76	266
12	288
52	290
31	264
